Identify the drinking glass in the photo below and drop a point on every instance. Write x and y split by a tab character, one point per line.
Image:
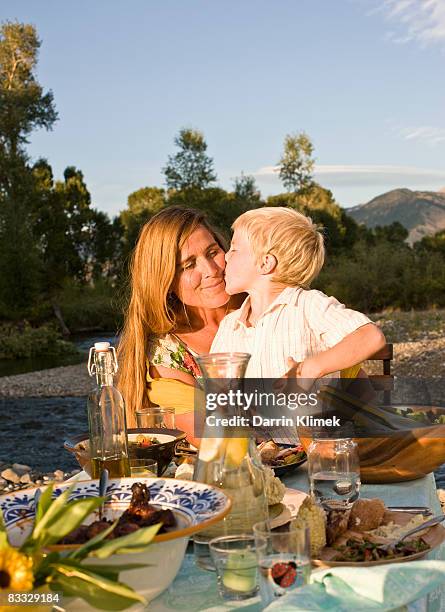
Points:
145	468
334	472
156	416
236	566
283	557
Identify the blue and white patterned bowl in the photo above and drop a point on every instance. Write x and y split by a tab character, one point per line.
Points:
208	504
195	505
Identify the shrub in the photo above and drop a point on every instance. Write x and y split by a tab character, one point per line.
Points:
26	341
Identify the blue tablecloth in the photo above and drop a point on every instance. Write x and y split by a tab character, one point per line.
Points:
195	590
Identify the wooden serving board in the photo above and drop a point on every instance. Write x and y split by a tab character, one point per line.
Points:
434	536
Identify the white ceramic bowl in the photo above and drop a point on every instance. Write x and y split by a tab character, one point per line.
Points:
195	505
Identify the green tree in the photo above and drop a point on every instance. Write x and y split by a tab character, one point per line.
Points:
297	164
245	187
434	243
395	232
190	167
77	243
246	193
220	207
319	204
141	205
24	107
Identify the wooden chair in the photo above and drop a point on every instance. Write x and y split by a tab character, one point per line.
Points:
385	381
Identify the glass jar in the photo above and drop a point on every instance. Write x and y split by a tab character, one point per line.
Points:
334	472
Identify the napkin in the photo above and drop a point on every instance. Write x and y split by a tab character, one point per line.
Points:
382	587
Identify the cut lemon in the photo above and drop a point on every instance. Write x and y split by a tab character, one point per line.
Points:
236	449
211	448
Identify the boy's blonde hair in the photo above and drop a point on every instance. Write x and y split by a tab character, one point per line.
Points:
294	240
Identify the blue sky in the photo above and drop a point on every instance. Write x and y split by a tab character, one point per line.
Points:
364	78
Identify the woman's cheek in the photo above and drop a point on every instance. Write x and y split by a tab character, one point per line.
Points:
220	261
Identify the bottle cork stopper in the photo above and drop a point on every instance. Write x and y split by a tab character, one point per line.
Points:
101	346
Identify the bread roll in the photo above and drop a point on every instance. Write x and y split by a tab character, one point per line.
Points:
366	514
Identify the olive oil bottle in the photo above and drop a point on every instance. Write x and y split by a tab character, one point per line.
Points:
106	416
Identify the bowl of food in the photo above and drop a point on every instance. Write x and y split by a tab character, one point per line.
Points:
282	458
182	507
395	442
143	443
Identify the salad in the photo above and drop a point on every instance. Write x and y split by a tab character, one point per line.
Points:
364	550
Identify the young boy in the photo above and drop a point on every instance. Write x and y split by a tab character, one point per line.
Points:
288	328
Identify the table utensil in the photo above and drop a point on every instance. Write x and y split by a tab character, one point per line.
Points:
103	486
281	470
434	521
411	509
37	496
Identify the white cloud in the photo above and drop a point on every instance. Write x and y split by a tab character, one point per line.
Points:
364	174
419	20
426	134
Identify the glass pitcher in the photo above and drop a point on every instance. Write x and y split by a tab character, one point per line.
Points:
227	458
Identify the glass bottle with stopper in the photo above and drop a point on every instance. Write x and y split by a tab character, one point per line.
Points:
106	416
227	457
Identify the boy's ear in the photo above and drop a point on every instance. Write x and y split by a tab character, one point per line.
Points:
268	264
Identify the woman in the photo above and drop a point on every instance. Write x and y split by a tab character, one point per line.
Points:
177	301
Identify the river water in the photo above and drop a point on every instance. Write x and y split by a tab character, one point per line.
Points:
33	429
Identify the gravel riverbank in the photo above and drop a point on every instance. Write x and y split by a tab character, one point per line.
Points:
73	381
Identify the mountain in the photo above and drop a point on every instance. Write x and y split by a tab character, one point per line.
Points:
421	212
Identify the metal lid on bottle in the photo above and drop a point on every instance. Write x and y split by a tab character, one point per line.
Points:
101	346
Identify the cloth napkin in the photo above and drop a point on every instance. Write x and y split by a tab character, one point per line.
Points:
383	587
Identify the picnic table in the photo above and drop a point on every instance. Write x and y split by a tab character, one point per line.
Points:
195	590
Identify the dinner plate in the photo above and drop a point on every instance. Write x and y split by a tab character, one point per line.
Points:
433	537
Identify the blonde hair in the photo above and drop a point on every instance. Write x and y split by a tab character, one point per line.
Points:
153	309
294	240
